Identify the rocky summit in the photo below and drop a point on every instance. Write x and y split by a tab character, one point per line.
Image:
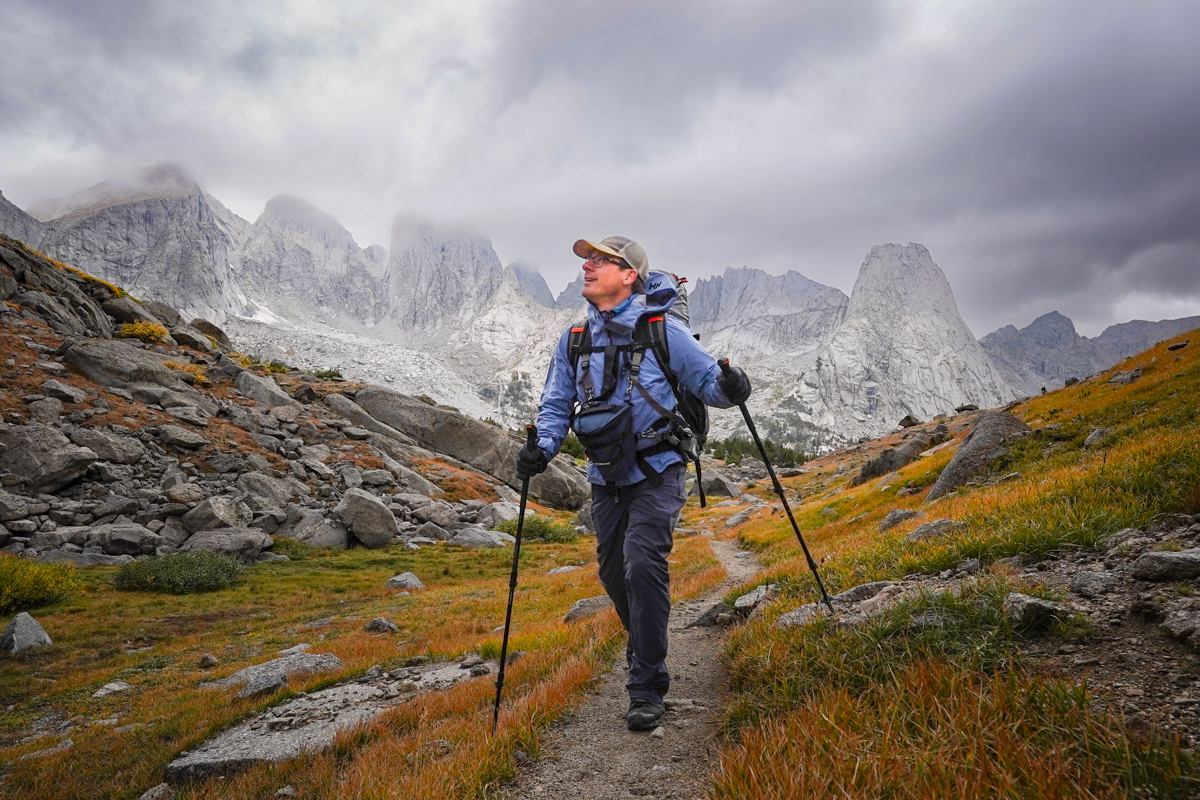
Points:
1048	352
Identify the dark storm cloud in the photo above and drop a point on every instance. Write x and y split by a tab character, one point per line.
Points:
1045	153
642	64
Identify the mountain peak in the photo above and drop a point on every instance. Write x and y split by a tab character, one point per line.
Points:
571	297
296	214
897	283
902	349
19	225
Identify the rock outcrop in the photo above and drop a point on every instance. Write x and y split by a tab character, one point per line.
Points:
22	633
971	460
68	301
43	459
483	446
895	458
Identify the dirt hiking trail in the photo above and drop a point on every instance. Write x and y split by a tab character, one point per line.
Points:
590	754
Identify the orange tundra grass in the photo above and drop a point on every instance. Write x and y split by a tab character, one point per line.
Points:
942	728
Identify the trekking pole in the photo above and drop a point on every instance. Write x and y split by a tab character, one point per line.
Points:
812	565
530	442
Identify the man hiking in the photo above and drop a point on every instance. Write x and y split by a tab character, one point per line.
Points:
606	383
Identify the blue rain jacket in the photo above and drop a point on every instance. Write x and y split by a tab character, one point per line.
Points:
694	368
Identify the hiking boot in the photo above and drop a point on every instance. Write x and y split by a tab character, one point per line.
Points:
643	714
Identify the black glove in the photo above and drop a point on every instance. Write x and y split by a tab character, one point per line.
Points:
531	462
735	385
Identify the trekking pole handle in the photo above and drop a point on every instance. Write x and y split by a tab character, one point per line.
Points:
723	363
531	435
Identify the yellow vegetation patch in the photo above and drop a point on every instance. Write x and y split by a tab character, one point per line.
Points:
148	332
191	369
25	584
116	290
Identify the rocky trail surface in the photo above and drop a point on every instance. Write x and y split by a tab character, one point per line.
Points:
591	754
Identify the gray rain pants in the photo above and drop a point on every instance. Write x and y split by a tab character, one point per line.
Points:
634	526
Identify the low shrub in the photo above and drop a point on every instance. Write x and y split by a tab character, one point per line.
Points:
573	447
276	366
148	332
542	527
733	450
327	373
27	584
180	573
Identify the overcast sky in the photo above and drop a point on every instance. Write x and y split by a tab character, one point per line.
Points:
1047	153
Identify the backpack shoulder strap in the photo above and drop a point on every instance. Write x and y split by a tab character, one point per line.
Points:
578	342
651	333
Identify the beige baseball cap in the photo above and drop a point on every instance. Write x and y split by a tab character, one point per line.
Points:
618	247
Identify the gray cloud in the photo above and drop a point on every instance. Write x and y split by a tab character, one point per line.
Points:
1046	153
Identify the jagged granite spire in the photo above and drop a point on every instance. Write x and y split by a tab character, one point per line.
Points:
437	278
751	316
571	298
530	278
902	349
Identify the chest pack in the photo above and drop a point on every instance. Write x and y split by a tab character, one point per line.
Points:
606	430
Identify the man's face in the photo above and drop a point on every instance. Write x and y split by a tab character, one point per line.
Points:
606	281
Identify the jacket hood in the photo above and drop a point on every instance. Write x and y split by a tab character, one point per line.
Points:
658	298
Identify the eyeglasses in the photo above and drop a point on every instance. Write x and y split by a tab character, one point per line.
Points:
599	259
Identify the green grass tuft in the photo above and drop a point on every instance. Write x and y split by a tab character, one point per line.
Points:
296	551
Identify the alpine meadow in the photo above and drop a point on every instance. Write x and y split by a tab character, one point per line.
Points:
597	401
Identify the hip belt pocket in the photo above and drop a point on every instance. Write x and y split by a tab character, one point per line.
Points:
606	433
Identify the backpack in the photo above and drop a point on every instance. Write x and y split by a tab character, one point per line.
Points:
688	424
